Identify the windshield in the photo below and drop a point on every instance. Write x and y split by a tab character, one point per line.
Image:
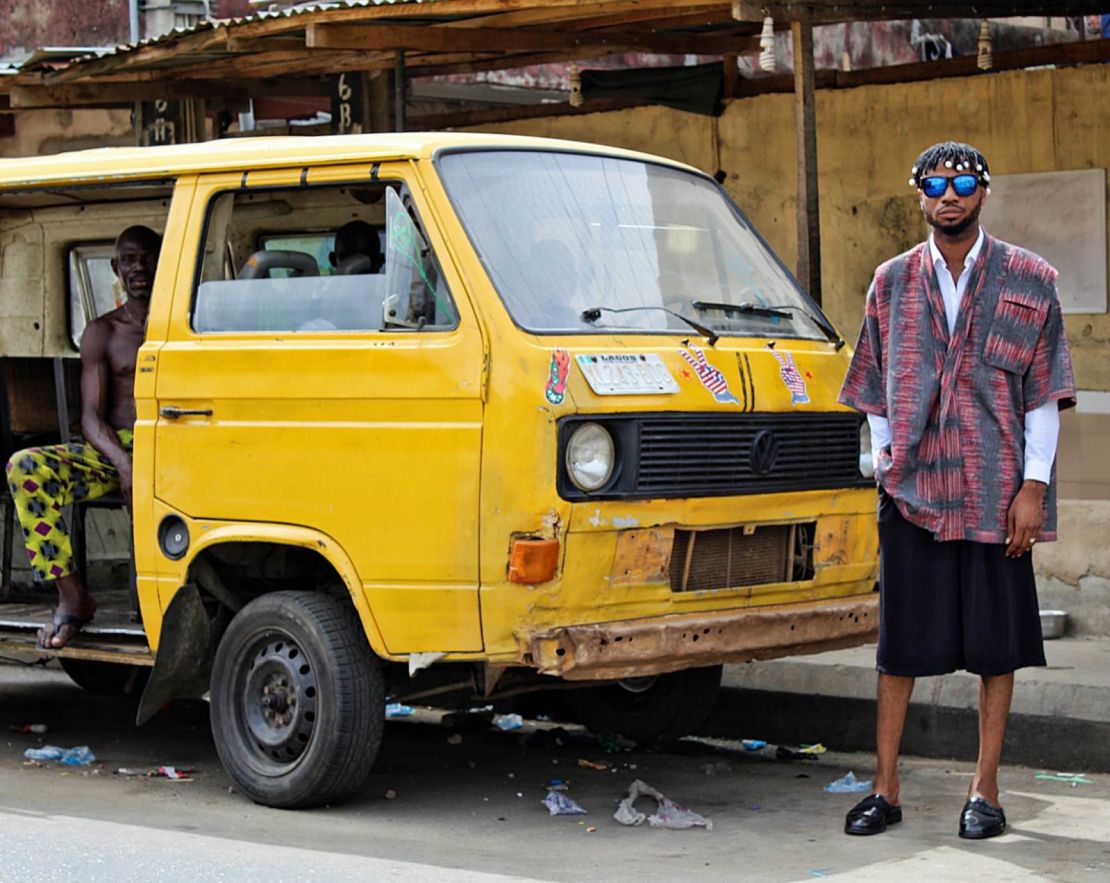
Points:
563	234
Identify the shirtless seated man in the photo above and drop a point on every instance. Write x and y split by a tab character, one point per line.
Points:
45	480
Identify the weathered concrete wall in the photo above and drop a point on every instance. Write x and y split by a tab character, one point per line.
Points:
1073	574
1024	121
39	132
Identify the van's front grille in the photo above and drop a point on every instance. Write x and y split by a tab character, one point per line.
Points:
678	455
721	455
741	556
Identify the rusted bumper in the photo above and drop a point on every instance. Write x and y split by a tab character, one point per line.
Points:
669	643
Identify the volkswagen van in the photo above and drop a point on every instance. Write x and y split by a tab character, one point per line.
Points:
578	428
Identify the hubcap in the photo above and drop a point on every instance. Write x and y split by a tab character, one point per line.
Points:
278	699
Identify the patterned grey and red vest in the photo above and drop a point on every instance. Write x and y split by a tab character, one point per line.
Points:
957	406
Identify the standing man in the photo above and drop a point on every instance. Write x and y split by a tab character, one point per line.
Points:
45	480
962	367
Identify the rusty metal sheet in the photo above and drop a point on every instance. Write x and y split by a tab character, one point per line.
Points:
642	556
671	643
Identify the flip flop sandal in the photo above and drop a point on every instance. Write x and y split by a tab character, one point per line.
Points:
63	619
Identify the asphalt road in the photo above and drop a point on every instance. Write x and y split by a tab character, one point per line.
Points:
471	811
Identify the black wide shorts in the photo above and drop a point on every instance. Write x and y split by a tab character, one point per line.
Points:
952	605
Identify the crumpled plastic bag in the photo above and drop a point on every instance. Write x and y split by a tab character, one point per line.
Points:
848	784
668	814
79	756
559	804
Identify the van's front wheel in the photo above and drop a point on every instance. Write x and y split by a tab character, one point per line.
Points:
651	709
297	701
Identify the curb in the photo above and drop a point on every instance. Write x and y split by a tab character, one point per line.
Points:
1056	722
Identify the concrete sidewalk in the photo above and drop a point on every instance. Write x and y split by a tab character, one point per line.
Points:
1060	715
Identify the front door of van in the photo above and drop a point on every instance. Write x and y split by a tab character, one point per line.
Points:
332	385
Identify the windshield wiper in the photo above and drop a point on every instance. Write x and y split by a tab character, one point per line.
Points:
777	311
756	309
594	313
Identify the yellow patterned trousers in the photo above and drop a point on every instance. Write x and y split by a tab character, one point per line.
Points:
43	481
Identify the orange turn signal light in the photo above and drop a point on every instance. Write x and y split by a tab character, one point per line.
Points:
533	561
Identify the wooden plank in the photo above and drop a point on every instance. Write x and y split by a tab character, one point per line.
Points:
246	44
144	56
1079	52
834	11
531	11
97	94
730	76
805	122
435	39
597	14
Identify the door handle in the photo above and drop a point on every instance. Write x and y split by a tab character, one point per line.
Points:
171	412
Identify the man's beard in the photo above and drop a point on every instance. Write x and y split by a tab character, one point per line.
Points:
958	227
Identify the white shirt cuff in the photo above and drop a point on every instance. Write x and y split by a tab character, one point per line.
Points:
1042	430
1038	470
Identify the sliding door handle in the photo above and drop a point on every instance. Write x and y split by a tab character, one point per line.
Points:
170	412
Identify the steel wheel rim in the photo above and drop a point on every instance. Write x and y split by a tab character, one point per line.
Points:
276	699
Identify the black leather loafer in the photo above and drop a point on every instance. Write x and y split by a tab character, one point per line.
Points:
871	816
979	820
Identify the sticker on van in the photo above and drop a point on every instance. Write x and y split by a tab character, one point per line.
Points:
711	377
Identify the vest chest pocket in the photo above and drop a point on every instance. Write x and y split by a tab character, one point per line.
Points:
1012	338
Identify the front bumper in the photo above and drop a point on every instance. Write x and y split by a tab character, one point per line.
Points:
636	647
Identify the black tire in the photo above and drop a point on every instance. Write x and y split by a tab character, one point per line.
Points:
106	678
646	710
297	701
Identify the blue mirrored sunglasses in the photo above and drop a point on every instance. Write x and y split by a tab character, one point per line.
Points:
935	185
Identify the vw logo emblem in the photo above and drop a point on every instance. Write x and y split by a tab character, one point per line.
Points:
765	450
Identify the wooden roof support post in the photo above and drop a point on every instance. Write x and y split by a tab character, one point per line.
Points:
399	91
805	123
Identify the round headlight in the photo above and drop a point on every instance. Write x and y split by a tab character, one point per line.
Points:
866	460
590	456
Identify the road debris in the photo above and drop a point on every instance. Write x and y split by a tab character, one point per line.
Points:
1072	779
816	748
396	709
593	764
612	743
667	815
848	784
158	772
38	729
390	794
78	756
508	721
454	739
559	803
752	744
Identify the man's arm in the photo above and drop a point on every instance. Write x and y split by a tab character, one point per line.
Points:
95	384
1026	515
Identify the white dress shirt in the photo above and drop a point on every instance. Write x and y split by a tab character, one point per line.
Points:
1042	425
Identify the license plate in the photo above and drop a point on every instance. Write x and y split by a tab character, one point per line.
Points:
623	374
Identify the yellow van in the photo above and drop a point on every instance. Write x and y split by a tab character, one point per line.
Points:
577	425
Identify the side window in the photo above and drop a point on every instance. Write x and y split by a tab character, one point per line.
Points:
318	260
93	287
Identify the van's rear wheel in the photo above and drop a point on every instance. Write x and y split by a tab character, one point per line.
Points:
652	709
297	701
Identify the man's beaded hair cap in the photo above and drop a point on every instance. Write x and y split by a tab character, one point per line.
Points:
955	155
